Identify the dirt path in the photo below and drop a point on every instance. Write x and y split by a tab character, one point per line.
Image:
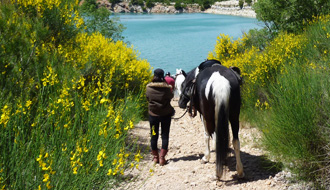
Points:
184	169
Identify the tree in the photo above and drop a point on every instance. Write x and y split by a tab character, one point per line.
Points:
289	15
241	4
249	2
99	19
149	4
206	4
178	5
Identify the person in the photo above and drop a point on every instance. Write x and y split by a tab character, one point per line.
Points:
160	111
170	80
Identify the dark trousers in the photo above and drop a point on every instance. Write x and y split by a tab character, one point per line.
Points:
165	122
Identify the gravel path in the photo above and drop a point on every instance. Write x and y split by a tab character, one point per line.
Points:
185	170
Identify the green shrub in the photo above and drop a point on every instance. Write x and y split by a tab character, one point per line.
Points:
293	132
241	4
67	100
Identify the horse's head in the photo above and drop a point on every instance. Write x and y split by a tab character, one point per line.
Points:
178	71
187	87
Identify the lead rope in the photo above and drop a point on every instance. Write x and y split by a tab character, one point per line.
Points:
180	116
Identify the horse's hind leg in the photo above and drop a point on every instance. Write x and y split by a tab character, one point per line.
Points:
206	156
235	128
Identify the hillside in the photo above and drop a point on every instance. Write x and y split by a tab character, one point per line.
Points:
230	7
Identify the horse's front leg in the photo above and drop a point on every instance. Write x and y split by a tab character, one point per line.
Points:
206	157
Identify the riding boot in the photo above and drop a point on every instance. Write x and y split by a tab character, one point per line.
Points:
162	155
155	159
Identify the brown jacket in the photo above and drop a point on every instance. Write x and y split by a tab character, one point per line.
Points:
159	97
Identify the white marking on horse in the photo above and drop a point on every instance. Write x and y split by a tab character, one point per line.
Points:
220	86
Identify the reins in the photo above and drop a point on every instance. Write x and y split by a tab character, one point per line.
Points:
190	108
192	111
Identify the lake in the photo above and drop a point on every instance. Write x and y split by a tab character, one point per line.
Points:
171	41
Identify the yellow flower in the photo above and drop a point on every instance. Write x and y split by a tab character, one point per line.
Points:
153	130
138	156
101	155
131	124
46	178
46	168
109	172
103	100
114	162
48	185
75	170
5	115
39	158
28	103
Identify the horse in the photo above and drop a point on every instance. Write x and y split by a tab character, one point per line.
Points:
179	78
214	92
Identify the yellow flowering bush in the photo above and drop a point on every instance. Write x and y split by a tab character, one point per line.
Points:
68	99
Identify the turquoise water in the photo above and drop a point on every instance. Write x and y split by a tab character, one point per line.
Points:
171	41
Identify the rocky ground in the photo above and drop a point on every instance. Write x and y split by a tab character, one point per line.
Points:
185	170
231	7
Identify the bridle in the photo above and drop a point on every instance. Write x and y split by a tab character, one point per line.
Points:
190	96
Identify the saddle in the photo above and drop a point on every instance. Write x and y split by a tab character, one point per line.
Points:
213	62
208	63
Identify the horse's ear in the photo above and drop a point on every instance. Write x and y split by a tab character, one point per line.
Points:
184	73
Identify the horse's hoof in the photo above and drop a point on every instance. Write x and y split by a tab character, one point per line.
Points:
204	161
241	175
213	178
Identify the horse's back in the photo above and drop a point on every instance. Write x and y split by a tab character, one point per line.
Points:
224	71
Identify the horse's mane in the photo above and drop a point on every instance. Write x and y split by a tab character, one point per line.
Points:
191	75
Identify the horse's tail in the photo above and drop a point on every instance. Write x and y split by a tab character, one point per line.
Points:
222	140
222	134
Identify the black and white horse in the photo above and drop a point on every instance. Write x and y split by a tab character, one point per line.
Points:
215	93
